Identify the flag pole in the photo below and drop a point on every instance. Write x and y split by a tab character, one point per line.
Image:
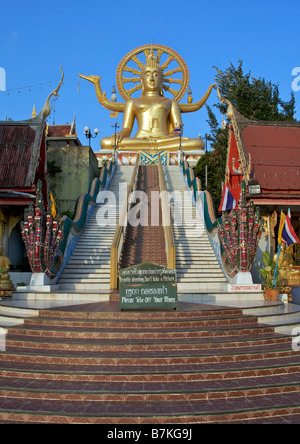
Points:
278	249
278	254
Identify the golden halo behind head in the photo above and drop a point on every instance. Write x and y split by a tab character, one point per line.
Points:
173	67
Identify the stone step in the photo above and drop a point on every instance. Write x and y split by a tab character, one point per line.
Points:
11	315
200	276
39	339
93	266
91	278
182	256
110	363
202	288
63	296
78	287
196	249
198	267
96	230
199	258
97	254
189	392
19	312
131	325
92	247
189	241
99	231
87	276
86	272
94	334
189	263
94	238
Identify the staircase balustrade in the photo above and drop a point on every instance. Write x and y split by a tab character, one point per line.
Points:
170	244
119	237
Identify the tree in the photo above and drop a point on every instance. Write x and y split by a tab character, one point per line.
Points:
256	99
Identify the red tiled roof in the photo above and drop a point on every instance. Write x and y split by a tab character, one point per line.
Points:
16	145
60	130
275	155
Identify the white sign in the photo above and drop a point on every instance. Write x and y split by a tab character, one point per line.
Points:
2	339
2	79
296	80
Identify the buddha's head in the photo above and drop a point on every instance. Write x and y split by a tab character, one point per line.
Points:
152	76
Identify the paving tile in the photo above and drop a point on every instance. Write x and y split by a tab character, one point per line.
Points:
148	376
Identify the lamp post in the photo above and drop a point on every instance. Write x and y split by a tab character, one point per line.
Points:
115	126
178	131
181	131
206	137
89	135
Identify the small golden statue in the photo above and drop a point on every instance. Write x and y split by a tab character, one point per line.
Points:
158	117
6	285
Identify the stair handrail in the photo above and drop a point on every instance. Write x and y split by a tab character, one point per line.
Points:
84	207
166	218
119	236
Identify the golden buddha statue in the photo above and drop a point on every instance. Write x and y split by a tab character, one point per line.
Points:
6	285
157	116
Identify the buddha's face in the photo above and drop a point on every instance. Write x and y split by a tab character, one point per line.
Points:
152	80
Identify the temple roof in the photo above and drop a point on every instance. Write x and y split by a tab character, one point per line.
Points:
275	155
270	154
61	130
20	143
59	133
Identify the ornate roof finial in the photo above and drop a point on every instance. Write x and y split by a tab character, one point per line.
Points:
33	114
46	108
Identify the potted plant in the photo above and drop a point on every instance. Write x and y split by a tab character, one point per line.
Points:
271	285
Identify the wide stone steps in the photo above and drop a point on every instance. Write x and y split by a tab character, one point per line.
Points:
194	252
89	266
201	364
93	265
14	315
91	272
85	286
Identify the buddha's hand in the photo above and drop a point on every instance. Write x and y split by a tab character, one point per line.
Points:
118	137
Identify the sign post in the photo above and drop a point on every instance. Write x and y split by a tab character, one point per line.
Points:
148	286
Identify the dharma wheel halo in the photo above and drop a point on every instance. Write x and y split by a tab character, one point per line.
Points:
175	71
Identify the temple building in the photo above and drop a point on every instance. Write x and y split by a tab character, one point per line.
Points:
71	166
22	165
56	135
266	154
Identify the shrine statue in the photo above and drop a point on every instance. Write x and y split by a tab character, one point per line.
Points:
5	281
158	117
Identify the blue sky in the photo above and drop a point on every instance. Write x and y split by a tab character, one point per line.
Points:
91	37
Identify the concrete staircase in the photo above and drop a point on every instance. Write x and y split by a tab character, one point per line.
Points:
196	263
94	364
89	266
